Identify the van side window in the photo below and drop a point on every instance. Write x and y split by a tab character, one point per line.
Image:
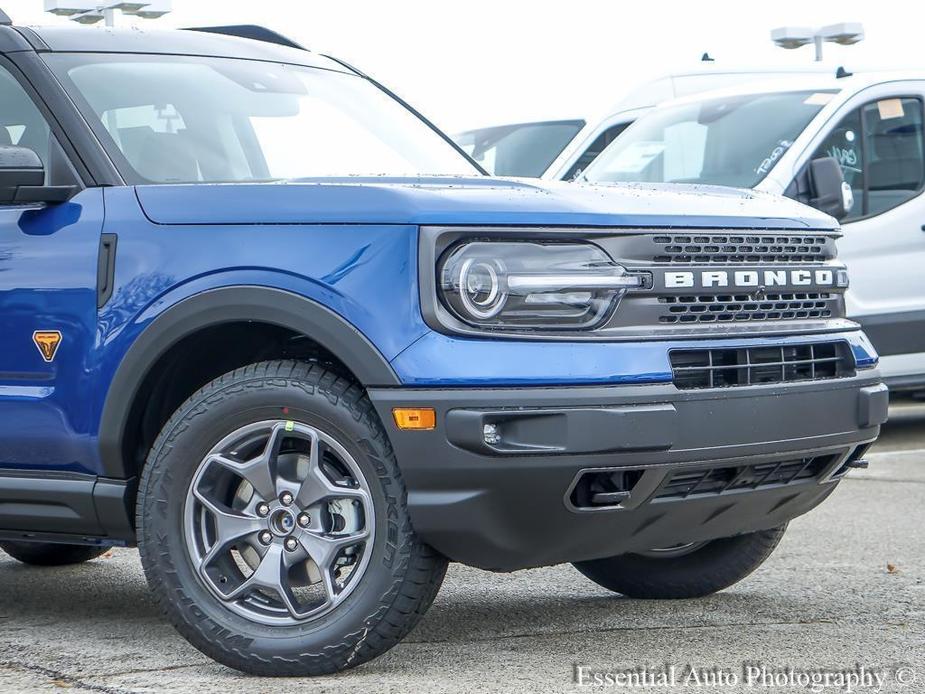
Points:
895	155
844	144
881	150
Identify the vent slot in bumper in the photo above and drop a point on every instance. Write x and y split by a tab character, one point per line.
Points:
746	366
698	482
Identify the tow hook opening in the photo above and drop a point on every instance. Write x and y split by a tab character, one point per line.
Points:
602	489
855	461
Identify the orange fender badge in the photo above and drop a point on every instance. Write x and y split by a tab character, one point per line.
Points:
47	342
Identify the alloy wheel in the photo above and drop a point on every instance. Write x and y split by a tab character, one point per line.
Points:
279	522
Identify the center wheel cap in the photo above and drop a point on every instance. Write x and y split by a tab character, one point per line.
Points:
282	522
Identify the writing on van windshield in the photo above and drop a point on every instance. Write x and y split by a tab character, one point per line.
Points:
771	159
847	157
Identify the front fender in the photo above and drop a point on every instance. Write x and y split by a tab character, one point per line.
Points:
224	305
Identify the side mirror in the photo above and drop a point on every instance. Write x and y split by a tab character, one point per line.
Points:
22	179
830	192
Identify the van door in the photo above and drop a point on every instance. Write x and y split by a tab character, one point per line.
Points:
880	145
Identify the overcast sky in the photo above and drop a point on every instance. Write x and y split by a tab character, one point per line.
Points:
467	63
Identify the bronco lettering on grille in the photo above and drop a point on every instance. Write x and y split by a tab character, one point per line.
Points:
749	278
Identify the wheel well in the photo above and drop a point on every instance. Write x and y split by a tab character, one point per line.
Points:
199	358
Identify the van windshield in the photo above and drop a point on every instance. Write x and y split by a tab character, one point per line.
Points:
185	119
730	141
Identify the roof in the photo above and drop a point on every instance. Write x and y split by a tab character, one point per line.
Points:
698	79
78	39
853	83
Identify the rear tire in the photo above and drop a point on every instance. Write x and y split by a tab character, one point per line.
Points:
242	562
703	570
50	553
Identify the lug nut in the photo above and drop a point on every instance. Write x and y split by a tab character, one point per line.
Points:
304	520
265	537
285	498
291	544
263	510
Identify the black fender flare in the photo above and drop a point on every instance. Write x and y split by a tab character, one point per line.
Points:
226	305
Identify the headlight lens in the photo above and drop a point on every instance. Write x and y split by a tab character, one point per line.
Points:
531	285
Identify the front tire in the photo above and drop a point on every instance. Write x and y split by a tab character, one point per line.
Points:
273	526
688	571
50	553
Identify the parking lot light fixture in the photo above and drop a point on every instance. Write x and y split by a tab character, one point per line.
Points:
150	10
844	33
94	11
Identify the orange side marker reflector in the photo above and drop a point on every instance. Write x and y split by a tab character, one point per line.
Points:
417	418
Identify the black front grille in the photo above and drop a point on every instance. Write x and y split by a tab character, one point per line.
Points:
740	249
742	308
722	368
714	481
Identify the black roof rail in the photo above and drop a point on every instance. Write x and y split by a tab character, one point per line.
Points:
250	31
5	19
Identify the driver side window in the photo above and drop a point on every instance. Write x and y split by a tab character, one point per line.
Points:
23	125
881	150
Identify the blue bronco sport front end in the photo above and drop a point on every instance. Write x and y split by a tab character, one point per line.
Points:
263	320
639	381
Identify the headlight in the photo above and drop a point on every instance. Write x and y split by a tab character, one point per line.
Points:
531	285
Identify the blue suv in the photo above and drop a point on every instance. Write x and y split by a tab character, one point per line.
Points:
261	319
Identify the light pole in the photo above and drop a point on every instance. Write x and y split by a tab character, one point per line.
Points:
93	11
846	34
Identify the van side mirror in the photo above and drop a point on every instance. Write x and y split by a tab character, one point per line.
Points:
22	179
830	193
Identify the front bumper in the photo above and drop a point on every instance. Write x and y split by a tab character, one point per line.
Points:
521	502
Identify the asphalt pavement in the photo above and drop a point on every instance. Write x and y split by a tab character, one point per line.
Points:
843	597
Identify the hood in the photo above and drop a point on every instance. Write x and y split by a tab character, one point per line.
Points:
474	201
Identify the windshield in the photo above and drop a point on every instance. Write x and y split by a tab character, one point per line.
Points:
732	141
177	119
526	149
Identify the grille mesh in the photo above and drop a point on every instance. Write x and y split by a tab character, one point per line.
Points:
732	249
742	308
723	368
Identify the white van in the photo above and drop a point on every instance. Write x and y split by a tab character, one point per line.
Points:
785	137
561	149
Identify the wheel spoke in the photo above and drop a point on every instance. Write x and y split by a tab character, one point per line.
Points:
327	580
323	550
230	526
261	471
257	472
317	486
273	445
272	573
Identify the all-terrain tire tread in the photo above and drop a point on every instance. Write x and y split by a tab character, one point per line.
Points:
714	567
